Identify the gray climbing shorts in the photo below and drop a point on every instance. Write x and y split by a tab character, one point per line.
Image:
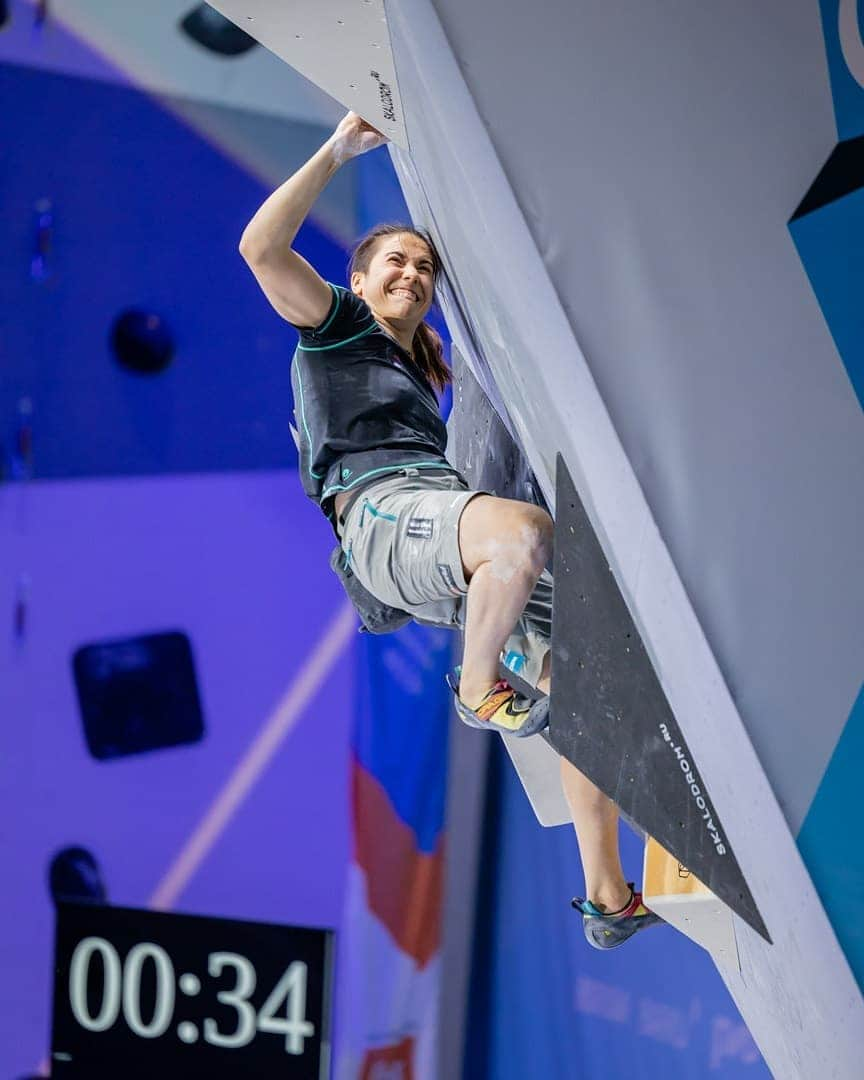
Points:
401	539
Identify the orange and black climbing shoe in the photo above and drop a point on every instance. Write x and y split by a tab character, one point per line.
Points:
609	929
502	709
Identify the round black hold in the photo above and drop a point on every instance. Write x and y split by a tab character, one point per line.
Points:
141	342
75	875
211	29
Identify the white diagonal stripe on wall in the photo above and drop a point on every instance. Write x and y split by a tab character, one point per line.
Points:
247	771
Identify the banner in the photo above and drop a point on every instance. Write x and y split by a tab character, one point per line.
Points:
388	960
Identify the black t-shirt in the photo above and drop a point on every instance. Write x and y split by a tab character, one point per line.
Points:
362	408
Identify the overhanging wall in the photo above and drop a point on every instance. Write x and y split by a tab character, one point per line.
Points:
611	190
614	216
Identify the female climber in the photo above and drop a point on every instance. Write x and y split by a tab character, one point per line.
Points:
372	456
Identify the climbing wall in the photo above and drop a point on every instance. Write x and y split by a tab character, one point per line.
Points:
629	203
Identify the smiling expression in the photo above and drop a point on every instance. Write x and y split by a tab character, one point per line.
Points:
399	283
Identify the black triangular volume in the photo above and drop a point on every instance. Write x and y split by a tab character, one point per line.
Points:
610	717
841	174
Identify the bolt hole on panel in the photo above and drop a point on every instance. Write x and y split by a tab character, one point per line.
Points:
611	718
343	46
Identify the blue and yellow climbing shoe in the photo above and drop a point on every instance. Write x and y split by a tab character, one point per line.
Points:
609	929
502	709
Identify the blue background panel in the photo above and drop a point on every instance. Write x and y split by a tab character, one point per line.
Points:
830	844
146	214
829	244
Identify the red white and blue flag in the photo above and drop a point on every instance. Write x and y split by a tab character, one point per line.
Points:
388	958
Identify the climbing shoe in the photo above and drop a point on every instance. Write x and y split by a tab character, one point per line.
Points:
503	709
609	929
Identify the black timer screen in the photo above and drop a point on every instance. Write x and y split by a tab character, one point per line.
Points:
158	995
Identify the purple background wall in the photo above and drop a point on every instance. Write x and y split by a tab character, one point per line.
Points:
226	559
226	549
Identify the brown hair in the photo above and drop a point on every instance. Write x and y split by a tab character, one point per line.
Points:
427	345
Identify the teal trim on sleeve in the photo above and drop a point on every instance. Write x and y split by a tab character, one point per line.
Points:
339	344
337	297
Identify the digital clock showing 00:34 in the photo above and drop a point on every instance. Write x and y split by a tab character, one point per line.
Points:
140	991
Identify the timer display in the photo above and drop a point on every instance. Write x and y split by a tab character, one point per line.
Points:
144	993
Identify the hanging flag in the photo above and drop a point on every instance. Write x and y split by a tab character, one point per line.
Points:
388	961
